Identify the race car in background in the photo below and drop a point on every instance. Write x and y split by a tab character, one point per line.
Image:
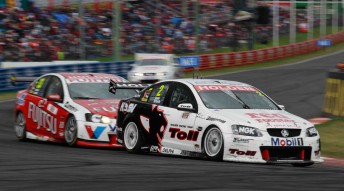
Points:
69	107
150	68
217	119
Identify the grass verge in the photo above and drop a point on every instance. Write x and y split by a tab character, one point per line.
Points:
332	142
7	96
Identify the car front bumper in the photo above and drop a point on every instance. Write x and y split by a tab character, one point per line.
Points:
97	134
271	149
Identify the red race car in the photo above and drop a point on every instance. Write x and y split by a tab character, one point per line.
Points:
75	108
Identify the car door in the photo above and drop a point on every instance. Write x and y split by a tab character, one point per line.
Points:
55	116
34	102
180	133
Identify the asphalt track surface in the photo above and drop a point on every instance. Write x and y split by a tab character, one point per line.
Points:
40	166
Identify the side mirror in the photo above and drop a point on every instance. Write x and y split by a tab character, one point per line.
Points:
281	106
186	107
54	98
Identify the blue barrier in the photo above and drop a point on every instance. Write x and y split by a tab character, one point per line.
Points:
118	68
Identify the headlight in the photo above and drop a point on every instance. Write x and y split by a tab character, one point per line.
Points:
136	74
311	132
97	118
246	131
161	74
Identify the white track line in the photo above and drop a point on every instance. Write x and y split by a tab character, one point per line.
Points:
4	101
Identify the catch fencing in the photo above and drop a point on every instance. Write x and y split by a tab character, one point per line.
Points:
207	61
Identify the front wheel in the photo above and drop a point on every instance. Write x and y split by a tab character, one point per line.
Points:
213	144
20	126
71	131
132	138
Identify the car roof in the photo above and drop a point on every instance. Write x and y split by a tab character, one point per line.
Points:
196	82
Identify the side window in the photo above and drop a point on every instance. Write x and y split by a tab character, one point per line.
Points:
55	87
158	94
182	94
38	87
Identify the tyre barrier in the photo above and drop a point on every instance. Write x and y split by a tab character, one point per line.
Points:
334	94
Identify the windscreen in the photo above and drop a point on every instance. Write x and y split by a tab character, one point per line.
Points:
234	97
97	91
150	62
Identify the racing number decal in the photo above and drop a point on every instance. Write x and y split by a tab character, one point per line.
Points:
160	90
40	83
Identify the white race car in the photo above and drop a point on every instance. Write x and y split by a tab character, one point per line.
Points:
150	68
217	119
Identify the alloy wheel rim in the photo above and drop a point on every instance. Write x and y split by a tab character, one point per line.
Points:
213	142
130	136
20	125
70	131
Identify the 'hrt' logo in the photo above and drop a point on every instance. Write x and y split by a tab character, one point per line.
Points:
96	133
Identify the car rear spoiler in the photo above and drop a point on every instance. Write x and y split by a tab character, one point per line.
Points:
15	79
125	85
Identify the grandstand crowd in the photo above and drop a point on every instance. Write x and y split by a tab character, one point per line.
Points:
45	34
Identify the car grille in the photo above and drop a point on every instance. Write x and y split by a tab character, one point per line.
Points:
149	74
286	153
277	132
149	81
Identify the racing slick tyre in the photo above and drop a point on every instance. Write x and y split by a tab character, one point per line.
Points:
302	164
71	131
20	127
213	144
132	138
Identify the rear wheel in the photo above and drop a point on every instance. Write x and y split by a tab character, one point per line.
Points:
213	144
71	131
132	138
20	126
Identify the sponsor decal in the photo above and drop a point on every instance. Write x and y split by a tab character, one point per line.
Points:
96	133
225	88
241	140
92	78
70	107
182	135
127	107
62	125
129	85
286	142
21	99
185	115
269	118
215	119
146	95
182	126
112	128
154	149
239	152
52	109
167	150
107	109
246	130
42	118
155	125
